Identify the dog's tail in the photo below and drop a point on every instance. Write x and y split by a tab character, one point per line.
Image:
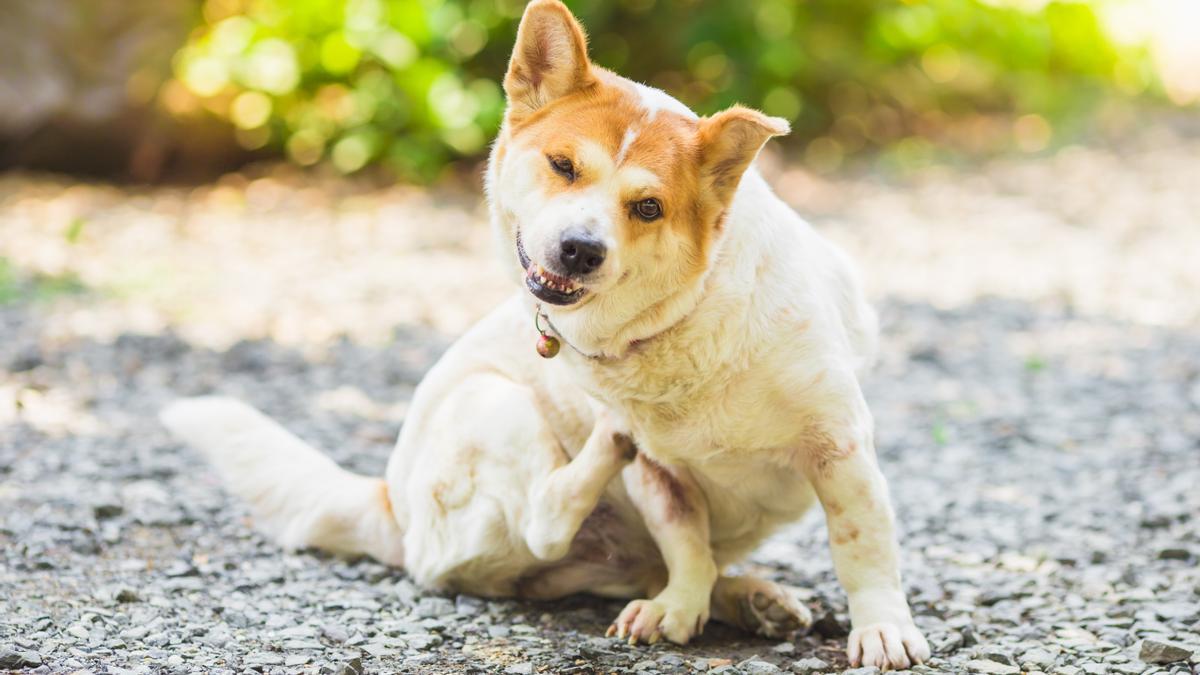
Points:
299	497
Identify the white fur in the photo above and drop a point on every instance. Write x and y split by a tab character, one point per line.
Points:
745	398
654	100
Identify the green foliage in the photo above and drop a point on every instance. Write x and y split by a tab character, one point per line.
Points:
415	83
16	286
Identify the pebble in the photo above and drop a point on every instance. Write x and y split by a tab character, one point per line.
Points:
809	665
1154	651
17	659
991	667
756	667
1037	659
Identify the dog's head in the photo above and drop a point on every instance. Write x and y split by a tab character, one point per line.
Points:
608	192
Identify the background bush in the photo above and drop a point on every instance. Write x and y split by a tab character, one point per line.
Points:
413	84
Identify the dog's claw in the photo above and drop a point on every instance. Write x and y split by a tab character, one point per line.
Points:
633	640
654	638
612	630
621	632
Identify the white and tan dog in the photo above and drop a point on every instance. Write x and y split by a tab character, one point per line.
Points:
706	394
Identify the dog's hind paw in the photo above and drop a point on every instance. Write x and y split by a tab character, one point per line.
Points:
773	613
759	606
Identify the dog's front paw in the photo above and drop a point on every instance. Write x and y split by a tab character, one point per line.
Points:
651	620
887	646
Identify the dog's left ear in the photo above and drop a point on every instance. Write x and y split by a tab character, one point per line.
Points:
549	59
729	142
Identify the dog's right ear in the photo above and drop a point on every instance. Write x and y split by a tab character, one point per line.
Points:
549	59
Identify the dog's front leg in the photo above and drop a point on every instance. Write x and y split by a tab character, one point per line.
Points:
862	535
676	514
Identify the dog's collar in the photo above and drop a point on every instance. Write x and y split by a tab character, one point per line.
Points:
548	344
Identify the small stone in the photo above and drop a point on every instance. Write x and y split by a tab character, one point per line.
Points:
810	665
264	659
642	666
828	626
1153	651
353	667
1174	553
991	667
27	358
866	670
423	640
13	659
753	666
181	568
335	634
784	648
719	663
78	631
107	511
468	605
1037	659
126	595
998	657
1095	668
525	668
433	607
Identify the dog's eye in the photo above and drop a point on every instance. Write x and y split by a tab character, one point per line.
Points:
648	209
563	167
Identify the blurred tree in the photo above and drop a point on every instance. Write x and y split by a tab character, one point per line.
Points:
413	84
78	80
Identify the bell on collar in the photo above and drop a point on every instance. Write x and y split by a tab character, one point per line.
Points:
547	346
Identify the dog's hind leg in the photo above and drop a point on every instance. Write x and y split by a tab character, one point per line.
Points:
758	606
560	500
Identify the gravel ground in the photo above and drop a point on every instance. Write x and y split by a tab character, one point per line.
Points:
1042	447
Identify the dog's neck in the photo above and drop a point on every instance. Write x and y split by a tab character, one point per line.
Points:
650	324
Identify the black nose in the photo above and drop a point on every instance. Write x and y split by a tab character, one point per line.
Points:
581	252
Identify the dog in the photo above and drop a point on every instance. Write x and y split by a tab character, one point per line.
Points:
704	393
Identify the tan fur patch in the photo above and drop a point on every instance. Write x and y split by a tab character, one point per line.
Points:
385	498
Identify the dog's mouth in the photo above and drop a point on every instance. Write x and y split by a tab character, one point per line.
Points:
545	285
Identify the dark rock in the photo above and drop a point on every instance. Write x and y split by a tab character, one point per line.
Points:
106	511
15	659
828	626
1174	554
353	667
1153	651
